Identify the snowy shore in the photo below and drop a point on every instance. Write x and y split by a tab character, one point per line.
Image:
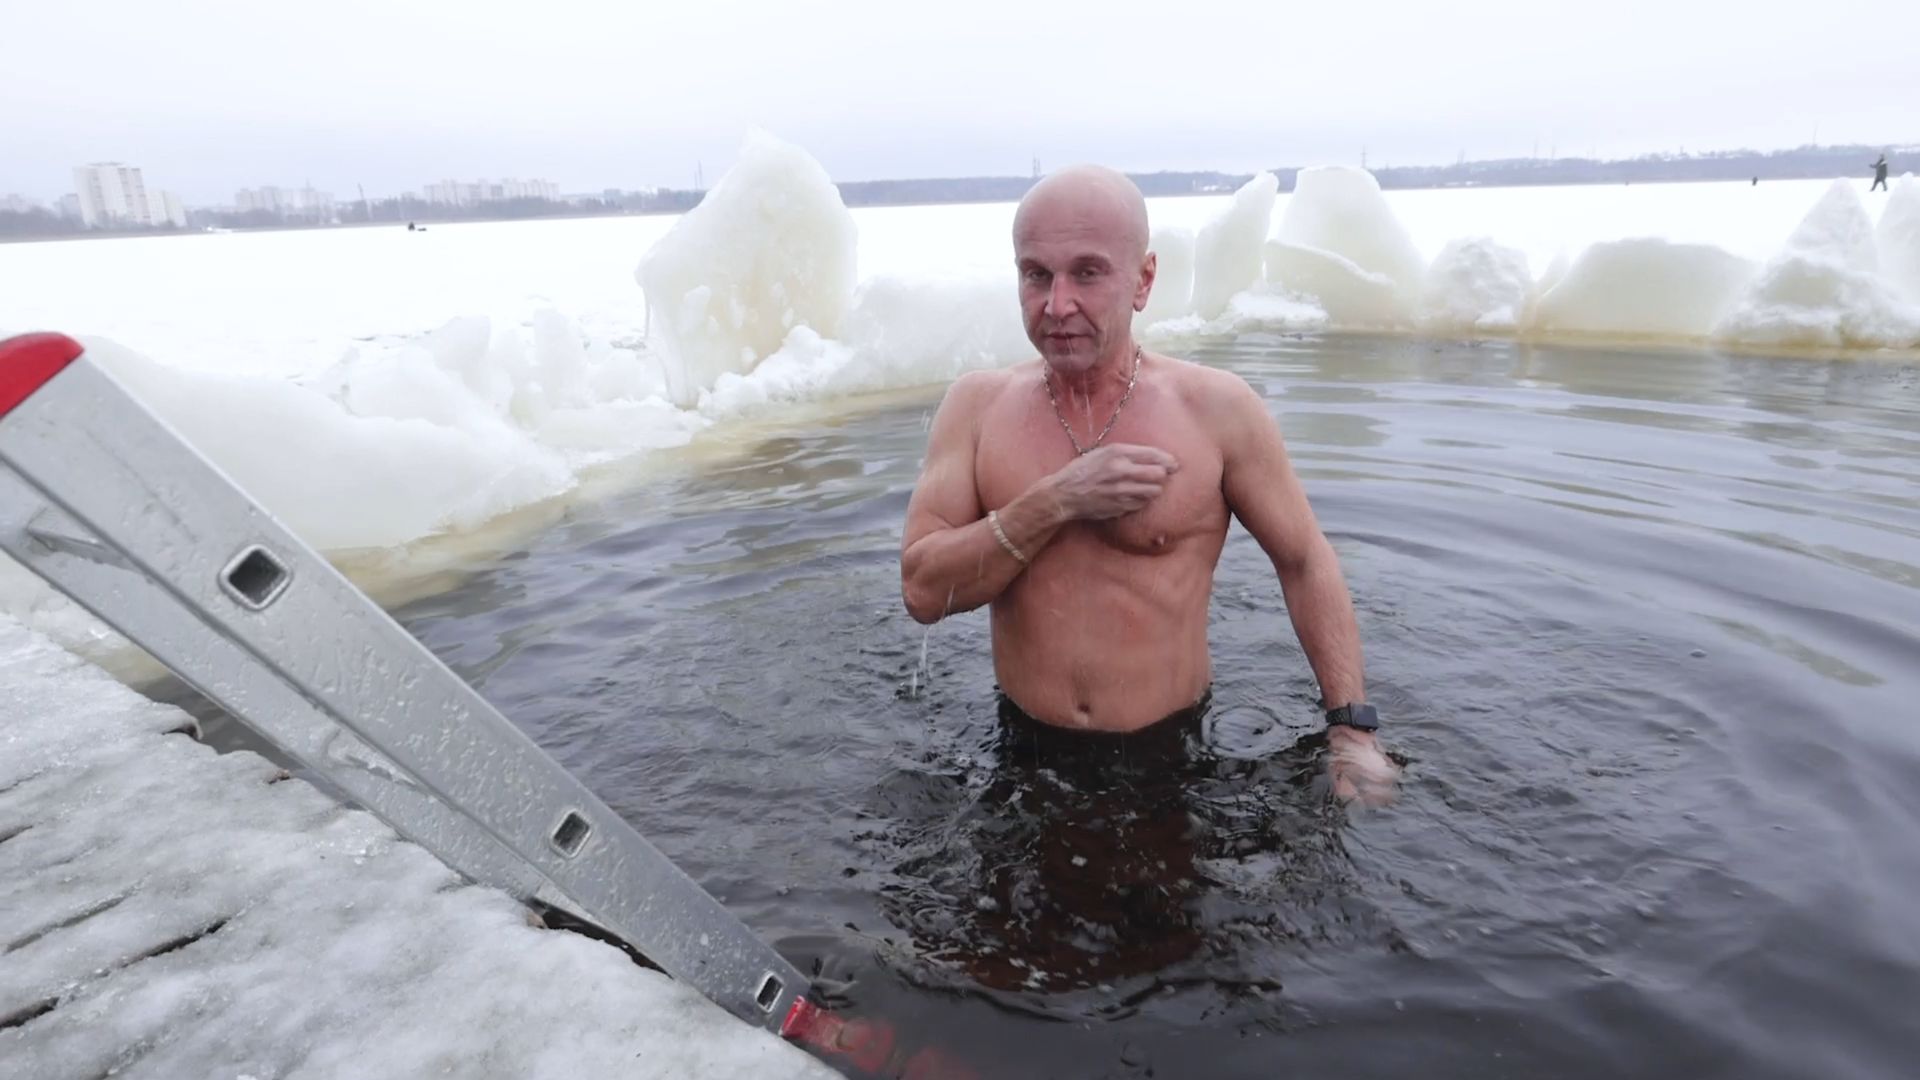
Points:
166	911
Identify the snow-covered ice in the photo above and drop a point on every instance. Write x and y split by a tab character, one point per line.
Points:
1898	237
1642	288
1227	250
771	247
166	912
1476	285
1825	286
1339	243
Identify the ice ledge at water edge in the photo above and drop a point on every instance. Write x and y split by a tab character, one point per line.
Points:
170	911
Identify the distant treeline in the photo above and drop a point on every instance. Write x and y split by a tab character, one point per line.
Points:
1802	163
1010	188
1806	162
39	223
420	210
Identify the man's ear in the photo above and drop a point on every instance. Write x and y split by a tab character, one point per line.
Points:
1147	271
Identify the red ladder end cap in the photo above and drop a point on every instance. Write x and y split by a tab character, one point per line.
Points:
28	361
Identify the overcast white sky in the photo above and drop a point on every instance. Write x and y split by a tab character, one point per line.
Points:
208	96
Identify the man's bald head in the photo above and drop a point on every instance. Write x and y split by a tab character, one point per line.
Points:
1093	198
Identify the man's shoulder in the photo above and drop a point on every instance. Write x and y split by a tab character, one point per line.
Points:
1210	390
972	397
975	391
1222	403
987	380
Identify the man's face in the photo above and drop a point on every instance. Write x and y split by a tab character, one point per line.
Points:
1082	276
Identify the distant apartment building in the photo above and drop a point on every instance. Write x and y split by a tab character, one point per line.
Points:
112	195
165	208
68	207
301	204
456	193
249	199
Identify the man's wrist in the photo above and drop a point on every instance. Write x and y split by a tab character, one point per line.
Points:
1355	716
1342	735
1027	523
1045	500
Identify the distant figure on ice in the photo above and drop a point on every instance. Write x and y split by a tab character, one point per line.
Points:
1756	181
1880	173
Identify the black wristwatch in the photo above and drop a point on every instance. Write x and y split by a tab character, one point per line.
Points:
1359	715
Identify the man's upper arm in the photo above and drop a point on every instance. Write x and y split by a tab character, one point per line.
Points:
1258	478
945	496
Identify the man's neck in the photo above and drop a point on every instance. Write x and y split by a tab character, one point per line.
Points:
1108	375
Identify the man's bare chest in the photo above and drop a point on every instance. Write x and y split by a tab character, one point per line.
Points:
1022	445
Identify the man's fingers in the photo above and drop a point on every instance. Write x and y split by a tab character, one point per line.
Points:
1147	455
1367	776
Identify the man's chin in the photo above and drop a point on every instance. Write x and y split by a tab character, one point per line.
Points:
1076	354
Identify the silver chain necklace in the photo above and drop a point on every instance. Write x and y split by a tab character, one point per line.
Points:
1047	381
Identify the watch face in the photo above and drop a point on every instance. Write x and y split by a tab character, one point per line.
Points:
1359	717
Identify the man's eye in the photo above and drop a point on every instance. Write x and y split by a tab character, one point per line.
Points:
1036	275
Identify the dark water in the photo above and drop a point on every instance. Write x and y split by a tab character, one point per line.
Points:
1645	627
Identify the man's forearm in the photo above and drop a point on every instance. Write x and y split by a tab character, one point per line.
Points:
960	569
1322	614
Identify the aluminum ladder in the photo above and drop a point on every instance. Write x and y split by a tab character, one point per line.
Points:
99	497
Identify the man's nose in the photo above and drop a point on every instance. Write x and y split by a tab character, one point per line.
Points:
1060	299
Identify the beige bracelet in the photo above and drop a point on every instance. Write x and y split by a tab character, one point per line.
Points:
993	520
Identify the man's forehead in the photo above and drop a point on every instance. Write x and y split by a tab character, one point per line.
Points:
1069	236
1092	205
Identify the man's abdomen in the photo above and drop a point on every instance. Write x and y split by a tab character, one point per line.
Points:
1112	643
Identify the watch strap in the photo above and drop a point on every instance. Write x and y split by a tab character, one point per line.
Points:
1357	715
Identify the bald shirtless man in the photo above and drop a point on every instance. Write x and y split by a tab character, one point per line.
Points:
1086	497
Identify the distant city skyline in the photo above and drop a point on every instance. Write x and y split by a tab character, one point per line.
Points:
591	95
309	201
209	193
113	194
